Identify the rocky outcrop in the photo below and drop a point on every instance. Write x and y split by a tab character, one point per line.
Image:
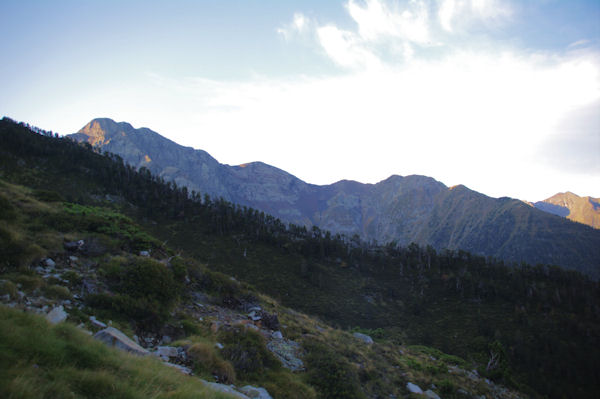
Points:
115	338
288	352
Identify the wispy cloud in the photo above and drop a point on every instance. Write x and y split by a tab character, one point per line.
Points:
299	25
407	100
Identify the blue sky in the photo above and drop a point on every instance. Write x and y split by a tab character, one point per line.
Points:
502	96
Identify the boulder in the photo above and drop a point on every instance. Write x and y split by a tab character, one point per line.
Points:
113	337
288	352
255	393
57	315
97	323
73	245
144	253
277	335
363	337
431	395
413	388
225	389
49	263
166	351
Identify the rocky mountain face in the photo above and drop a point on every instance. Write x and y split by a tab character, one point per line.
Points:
402	209
584	210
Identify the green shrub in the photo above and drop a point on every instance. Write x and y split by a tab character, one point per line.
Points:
15	251
148	313
446	387
206	360
29	283
48	196
190	327
72	277
330	373
8	287
247	351
57	291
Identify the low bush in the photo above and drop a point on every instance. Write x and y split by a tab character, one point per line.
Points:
57	292
247	351
330	373
206	360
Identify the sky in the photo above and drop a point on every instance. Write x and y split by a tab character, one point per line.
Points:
501	96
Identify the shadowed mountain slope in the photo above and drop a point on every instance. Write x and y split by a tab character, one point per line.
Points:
401	209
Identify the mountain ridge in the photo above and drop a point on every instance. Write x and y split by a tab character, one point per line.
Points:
584	210
398	209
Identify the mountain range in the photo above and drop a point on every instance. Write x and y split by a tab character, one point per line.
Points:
399	209
75	220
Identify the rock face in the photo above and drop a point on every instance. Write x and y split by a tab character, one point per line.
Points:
402	209
288	352
113	337
584	210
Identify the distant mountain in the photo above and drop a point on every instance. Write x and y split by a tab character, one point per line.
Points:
584	210
401	209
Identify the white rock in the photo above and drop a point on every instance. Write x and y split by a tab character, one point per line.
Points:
431	395
414	388
363	337
225	389
166	351
57	315
277	335
113	337
255	393
144	253
97	323
49	262
219	345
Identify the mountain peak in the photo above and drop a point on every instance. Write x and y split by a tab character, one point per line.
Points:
584	210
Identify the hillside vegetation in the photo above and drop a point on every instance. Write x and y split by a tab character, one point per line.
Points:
532	328
99	271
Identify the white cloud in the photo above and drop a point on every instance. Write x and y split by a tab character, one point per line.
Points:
300	24
378	20
460	14
345	48
473	116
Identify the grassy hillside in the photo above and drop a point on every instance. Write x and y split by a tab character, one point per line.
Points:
543	320
167	293
38	360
